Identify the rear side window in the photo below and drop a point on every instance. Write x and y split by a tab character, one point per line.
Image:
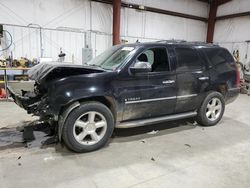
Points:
218	56
188	59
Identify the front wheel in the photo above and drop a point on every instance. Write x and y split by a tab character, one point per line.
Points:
88	127
211	110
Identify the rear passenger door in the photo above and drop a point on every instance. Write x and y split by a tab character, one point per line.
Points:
192	79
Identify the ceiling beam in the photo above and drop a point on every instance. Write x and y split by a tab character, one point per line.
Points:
211	21
155	10
233	15
220	2
214	4
205	1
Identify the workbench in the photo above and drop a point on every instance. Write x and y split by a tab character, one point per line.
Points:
5	81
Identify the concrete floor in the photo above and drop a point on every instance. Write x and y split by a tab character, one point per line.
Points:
180	154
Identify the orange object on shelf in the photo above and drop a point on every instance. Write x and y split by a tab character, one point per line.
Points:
2	93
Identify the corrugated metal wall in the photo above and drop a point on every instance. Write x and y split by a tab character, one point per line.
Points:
33	42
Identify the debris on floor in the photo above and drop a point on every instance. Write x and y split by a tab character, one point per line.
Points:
34	134
152	159
188	145
195	123
51	158
153	132
10	137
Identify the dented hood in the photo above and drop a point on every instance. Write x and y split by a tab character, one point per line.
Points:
58	70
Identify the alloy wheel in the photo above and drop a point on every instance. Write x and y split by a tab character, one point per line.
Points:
214	109
90	128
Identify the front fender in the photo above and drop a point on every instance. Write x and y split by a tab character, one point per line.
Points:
65	94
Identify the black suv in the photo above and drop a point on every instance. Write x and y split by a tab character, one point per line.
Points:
132	85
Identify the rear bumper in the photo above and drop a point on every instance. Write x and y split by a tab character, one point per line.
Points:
232	95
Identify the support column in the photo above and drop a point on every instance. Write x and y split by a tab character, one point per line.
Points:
211	21
116	21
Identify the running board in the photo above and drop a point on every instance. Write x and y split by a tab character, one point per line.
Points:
138	123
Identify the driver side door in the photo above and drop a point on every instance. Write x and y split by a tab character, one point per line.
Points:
150	94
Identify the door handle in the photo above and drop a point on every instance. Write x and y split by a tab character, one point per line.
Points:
203	78
168	81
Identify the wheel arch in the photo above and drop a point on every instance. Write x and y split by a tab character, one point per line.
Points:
67	109
221	88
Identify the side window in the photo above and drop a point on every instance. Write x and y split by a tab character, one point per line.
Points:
188	59
218	55
150	56
157	58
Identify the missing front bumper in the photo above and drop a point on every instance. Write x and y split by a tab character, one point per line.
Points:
20	100
32	103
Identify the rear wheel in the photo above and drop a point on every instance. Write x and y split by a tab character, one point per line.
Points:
88	127
211	110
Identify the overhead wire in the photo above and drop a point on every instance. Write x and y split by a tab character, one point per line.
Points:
11	41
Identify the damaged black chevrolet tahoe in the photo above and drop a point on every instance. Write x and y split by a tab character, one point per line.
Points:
132	85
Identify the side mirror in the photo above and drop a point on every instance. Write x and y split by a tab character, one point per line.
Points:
140	67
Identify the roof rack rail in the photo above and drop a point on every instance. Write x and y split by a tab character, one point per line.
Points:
171	41
199	42
187	42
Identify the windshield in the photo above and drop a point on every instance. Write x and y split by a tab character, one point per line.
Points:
111	58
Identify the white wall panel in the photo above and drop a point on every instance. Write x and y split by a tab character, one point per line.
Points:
71	44
102	17
235	6
169	27
196	31
135	23
124	21
232	33
46	13
102	42
232	30
158	26
193	7
26	42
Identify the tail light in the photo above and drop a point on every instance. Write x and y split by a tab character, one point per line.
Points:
237	83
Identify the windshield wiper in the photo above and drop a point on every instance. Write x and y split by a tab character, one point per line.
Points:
95	65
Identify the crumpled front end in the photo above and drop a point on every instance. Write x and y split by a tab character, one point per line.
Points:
32	102
52	89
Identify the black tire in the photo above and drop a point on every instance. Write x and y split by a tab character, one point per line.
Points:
68	128
202	118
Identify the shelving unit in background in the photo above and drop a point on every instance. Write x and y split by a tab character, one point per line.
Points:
5	81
